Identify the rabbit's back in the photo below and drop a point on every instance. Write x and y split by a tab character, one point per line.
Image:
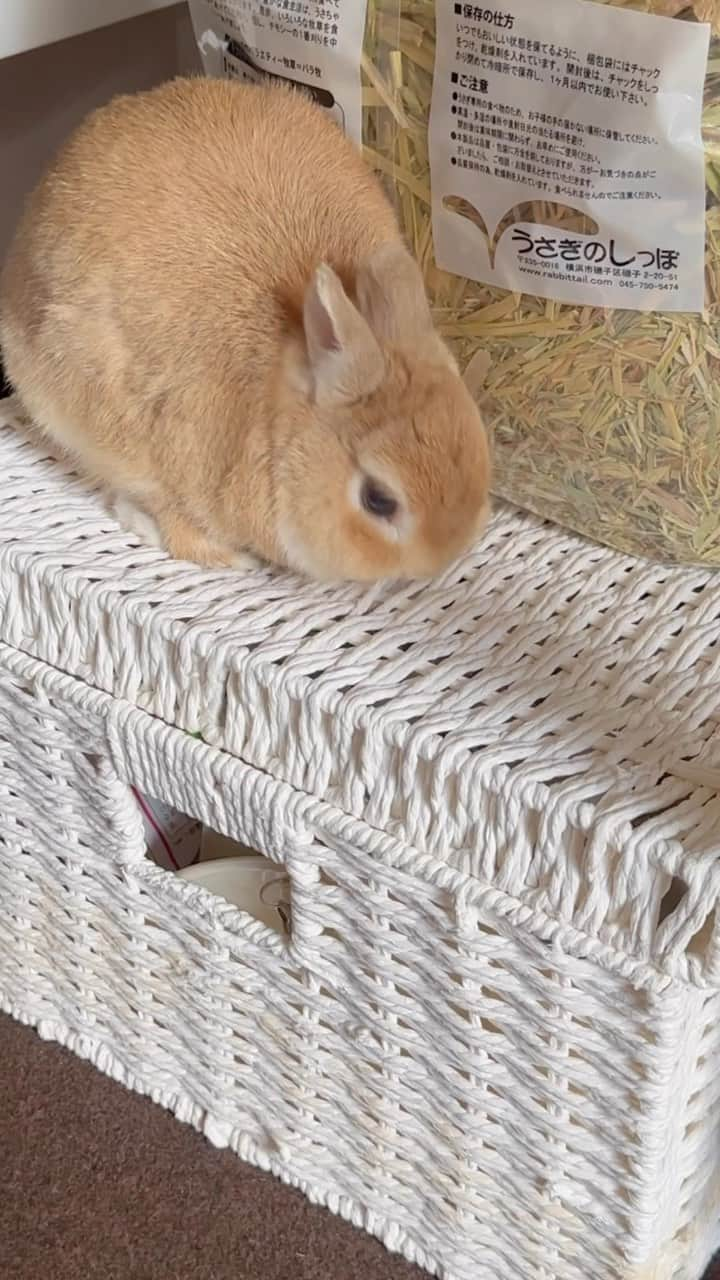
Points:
250	186
165	241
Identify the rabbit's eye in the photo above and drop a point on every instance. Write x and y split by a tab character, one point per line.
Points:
377	501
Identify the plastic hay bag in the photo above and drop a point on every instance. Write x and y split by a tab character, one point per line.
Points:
557	171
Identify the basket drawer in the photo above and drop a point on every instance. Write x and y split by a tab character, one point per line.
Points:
490	1093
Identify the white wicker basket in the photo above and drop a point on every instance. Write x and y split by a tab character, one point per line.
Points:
493	1038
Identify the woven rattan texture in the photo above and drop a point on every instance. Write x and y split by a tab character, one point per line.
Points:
493	1037
542	717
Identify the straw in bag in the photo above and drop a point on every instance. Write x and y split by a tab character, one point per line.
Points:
604	420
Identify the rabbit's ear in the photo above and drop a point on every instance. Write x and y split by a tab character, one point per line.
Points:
391	296
345	360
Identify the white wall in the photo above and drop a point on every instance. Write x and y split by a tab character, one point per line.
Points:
45	92
26	24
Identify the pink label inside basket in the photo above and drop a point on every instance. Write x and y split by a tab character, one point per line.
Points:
173	839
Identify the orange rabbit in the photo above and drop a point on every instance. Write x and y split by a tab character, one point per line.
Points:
208	304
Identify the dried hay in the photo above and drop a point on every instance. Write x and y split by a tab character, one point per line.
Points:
605	421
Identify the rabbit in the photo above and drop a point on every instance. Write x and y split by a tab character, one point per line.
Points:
209	306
